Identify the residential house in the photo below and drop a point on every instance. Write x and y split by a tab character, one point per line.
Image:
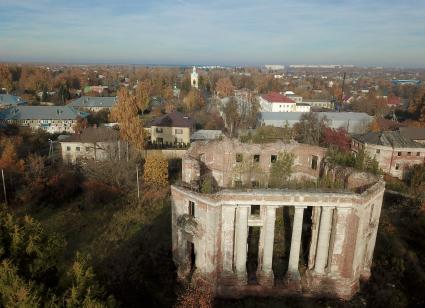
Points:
52	119
96	143
7	100
276	102
93	103
395	153
172	128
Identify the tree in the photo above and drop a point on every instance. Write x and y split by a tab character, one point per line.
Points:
80	125
6	81
156	170
281	169
126	113
8	158
193	100
417	180
85	290
338	138
310	129
231	115
143	95
224	87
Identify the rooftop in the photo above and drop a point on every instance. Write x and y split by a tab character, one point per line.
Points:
94	134
413	133
392	139
41	113
274	97
173	119
11	100
93	101
206	134
359	116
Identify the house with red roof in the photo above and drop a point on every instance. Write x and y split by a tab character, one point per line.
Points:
393	101
276	102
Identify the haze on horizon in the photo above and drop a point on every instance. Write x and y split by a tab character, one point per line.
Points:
228	32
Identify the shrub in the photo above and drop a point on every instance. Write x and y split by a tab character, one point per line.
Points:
97	192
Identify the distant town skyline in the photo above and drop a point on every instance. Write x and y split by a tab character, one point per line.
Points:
234	32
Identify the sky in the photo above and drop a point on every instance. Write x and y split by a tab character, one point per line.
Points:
212	32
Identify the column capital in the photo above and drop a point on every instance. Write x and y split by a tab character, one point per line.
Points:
300	207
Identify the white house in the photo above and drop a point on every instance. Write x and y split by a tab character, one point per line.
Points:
276	102
93	143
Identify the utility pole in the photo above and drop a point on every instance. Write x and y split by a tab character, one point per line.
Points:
4	187
138	186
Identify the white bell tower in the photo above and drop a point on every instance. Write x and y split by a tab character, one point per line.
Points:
194	78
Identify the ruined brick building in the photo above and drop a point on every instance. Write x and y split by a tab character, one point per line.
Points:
250	240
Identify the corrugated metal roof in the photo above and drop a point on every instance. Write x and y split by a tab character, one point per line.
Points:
41	113
93	101
414	133
11	100
206	134
388	138
283	116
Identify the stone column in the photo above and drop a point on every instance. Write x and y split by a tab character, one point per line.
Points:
265	275
323	242
241	244
228	237
294	255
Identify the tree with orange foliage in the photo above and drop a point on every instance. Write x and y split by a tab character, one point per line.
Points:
126	113
80	125
8	157
143	95
374	126
224	87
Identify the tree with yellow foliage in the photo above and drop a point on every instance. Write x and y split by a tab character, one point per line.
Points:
155	171
126	113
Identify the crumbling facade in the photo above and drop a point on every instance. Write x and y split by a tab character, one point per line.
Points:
329	235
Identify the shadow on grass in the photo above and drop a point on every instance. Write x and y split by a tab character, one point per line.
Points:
139	271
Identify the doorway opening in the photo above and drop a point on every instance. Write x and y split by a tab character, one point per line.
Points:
252	257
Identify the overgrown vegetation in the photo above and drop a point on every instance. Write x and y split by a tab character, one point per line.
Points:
360	161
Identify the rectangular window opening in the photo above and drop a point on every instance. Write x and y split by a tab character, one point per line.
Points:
256	158
255	210
314	160
239	157
191	208
273	158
